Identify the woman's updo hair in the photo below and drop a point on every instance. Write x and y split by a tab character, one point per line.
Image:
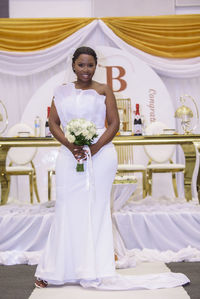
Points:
84	50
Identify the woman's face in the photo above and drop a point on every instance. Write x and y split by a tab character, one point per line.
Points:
84	67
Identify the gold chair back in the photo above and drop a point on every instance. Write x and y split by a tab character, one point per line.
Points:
126	165
124	154
124	108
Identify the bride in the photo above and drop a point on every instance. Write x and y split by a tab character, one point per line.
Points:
79	248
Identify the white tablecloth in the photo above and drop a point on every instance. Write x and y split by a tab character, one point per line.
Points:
144	230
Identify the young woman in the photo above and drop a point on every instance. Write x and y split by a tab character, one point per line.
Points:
80	243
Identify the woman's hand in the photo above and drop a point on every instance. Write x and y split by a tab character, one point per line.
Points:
78	152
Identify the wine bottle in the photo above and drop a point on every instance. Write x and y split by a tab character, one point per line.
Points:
137	122
47	130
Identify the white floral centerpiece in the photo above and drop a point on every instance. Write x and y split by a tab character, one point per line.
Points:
80	132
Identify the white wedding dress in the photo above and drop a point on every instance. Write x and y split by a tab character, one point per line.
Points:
80	243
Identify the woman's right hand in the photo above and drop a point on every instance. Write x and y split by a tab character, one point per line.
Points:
78	152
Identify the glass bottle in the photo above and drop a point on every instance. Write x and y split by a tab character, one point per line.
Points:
137	122
37	126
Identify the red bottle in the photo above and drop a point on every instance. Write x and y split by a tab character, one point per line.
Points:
137	122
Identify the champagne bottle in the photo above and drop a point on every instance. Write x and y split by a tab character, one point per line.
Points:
137	122
47	130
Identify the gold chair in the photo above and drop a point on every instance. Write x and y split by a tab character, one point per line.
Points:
21	159
126	165
124	108
160	157
50	173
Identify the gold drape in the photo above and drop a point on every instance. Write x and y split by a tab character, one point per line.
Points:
172	36
37	34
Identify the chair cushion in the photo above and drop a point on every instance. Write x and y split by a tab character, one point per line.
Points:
125	179
166	166
130	167
18	168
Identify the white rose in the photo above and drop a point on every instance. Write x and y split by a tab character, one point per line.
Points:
77	131
89	136
85	133
84	126
88	123
93	131
70	137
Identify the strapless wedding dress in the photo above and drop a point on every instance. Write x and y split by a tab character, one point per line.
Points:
79	248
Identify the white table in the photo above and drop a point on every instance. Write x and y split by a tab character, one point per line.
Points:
121	193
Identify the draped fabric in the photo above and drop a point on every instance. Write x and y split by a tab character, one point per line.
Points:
28	63
165	36
22	239
172	36
96	33
178	68
24	35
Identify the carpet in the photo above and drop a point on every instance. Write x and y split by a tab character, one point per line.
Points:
77	292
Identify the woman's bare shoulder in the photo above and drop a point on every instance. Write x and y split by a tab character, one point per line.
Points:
102	88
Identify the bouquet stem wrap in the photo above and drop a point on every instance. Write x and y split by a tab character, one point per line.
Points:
80	166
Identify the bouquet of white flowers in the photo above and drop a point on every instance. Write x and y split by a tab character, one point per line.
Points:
80	132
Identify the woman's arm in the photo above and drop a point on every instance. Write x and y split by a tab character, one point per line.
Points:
54	125
112	118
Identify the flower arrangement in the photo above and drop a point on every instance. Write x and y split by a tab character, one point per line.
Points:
80	132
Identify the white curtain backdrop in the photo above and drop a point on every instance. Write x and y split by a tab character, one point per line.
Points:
21	74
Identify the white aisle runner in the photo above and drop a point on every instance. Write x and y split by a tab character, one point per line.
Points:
77	292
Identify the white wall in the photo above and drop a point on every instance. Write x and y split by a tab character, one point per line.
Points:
50	8
111	8
100	8
187	6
